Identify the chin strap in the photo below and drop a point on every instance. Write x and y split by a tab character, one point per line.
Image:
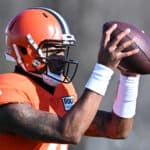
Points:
51	79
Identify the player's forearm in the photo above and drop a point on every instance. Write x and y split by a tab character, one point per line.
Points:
123	126
107	124
118	123
80	117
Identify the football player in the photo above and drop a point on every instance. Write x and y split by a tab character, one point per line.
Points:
39	107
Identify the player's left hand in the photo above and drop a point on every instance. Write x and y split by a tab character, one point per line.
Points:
126	72
111	52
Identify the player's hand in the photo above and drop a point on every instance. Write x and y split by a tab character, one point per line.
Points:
126	72
110	54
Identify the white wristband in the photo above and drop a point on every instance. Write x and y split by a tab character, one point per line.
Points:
99	79
125	103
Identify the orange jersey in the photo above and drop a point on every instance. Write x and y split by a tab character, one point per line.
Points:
19	88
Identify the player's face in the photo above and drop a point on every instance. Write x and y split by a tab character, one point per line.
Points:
55	59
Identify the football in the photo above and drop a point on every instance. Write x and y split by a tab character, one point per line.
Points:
140	62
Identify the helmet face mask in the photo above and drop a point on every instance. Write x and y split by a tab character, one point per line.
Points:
57	61
40	48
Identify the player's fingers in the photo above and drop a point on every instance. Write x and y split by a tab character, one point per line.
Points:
129	53
108	33
120	36
125	72
126	44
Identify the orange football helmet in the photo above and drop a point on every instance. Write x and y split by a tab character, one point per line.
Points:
34	29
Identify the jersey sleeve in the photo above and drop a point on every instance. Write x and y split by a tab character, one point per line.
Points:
13	89
12	95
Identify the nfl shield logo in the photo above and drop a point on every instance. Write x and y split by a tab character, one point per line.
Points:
68	102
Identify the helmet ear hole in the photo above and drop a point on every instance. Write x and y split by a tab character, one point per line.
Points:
23	50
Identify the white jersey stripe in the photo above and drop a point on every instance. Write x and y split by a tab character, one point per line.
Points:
54	147
63	147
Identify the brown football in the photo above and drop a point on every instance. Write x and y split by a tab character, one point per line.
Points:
140	62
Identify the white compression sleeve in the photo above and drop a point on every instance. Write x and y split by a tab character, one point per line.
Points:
125	103
99	79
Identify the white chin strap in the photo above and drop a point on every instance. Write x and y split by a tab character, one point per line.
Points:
49	80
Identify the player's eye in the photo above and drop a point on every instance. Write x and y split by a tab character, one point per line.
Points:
53	51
